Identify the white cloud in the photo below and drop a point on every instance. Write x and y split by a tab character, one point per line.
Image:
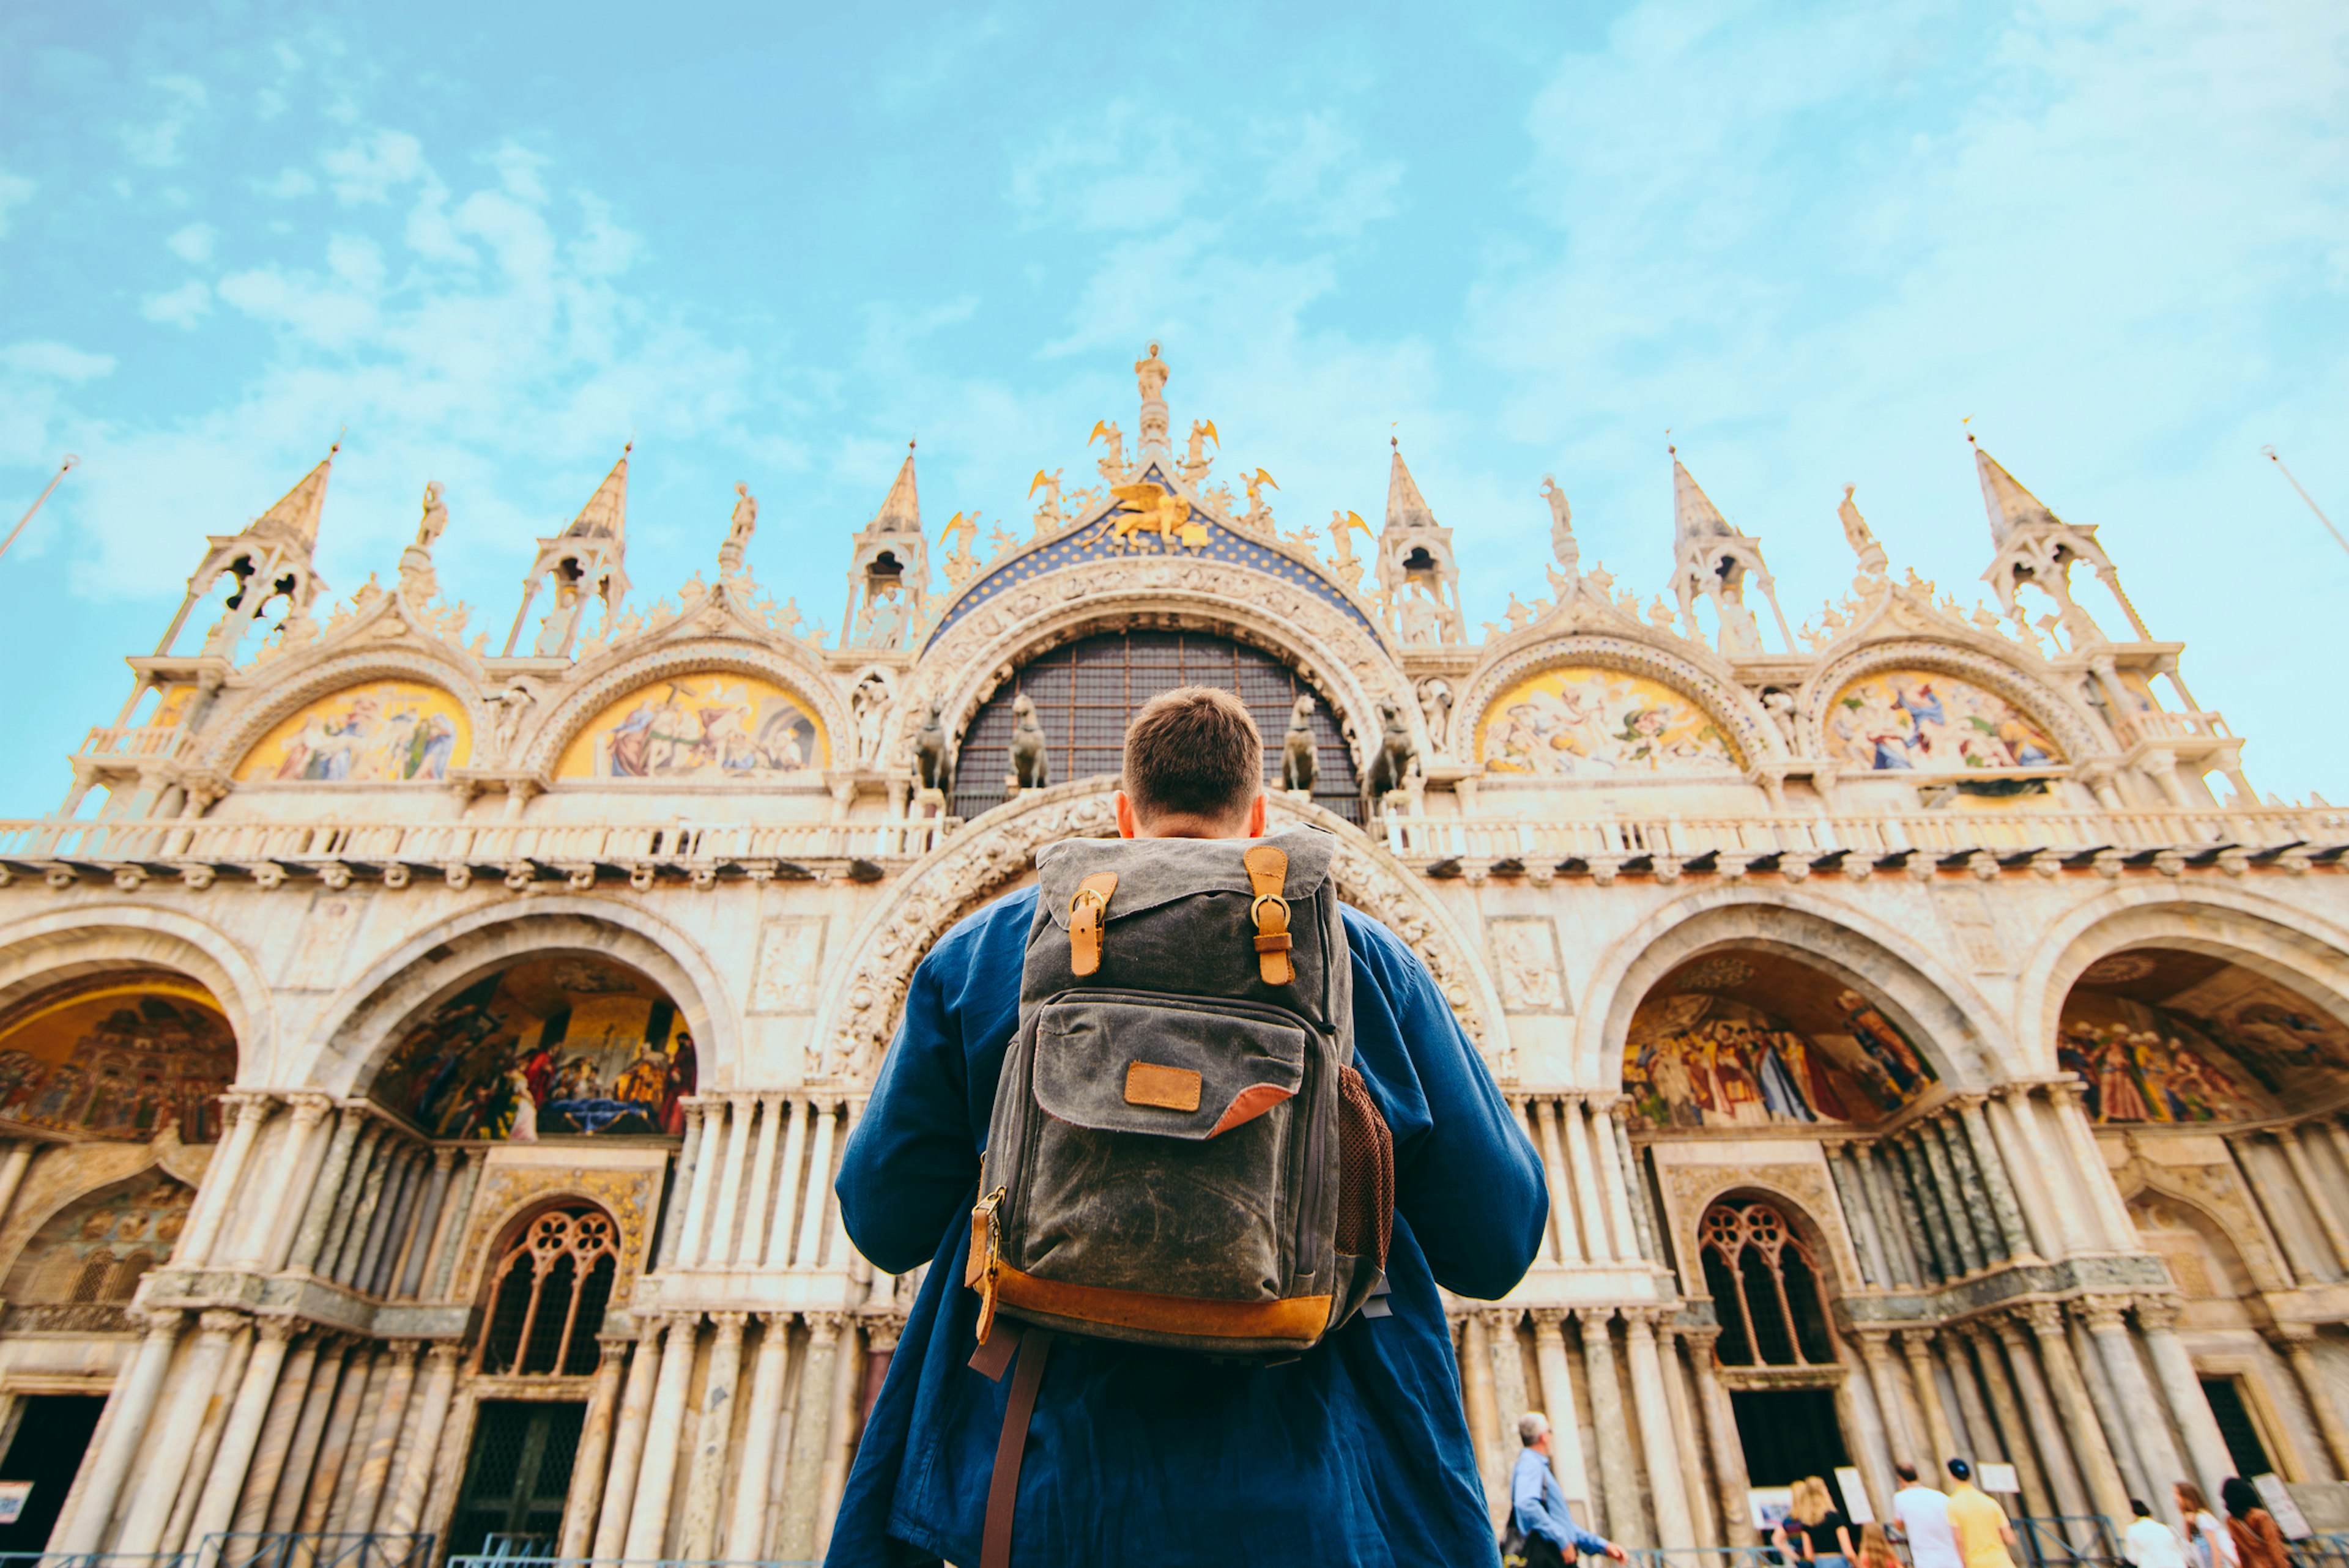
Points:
181	308
372	167
194	244
56	361
14	191
157	142
287	183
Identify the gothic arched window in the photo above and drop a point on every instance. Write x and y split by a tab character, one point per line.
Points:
1087	690
1764	1285
547	1295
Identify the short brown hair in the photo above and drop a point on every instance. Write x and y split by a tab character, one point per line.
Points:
1192	752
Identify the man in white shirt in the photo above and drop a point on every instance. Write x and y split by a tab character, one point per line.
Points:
1924	1516
2148	1542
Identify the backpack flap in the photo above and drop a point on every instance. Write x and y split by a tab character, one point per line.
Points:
1163	1069
1150	871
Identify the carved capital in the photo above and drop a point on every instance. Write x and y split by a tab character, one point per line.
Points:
2159	1314
730	1324
444	1356
2104	1313
2044	1318
278	1329
220	1322
824	1328
883	1332
309	1109
1549	1323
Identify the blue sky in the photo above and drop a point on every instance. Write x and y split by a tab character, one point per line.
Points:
771	243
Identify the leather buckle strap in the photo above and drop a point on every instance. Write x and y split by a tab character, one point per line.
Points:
1086	910
1011	1448
1267	869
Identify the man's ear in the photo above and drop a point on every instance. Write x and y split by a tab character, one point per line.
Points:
1129	826
1255	815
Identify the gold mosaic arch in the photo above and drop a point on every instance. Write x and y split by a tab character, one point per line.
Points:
711	726
769	680
1915	705
1595	706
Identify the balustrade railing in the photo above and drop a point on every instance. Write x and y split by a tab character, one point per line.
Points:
144	740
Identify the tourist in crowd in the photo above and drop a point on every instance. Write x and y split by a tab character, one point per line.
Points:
1924	1515
2258	1542
1538	1503
2148	1542
1876	1548
1980	1524
1814	1531
2213	1545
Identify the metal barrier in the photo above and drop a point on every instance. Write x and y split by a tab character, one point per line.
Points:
2065	1540
289	1549
507	1560
1706	1556
2325	1549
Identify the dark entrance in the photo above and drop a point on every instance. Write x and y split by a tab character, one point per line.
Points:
518	1477
2235	1425
1789	1433
51	1433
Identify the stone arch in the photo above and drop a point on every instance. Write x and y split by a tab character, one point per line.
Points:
1735	711
91	939
426	663
625	671
1352	670
2230	1240
2289	944
2059	716
359	1029
1938	1009
1801	1191
857	1014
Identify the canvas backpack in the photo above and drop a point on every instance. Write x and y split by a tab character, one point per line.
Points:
1181	1153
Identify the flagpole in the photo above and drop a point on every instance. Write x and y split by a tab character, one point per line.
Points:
70	460
2277	461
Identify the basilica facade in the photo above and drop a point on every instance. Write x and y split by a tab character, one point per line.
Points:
424	1060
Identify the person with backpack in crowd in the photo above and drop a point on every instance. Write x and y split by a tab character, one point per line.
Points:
1551	1539
1148	1334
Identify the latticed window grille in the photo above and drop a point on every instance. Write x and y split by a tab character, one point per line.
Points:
547	1295
1086	691
1765	1283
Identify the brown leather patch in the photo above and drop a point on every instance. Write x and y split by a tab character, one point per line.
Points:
1298	1318
1168	1088
1248	1104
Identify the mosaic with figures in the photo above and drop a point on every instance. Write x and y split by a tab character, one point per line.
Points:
2160	1035
1924	721
1752	1039
567	1044
385	732
123	1059
698	728
1579	721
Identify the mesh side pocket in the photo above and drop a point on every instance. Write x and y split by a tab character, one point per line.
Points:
1365	1171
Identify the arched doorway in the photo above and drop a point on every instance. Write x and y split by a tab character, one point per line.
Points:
1769	1281
1085	691
554	1044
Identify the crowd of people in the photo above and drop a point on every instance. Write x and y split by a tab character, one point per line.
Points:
1963	1527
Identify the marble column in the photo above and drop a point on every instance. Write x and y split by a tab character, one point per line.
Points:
1570	1247
656	1477
587	1471
167	1456
1619	1482
810	1435
1595	1236
711	1117
406	1510
12	1167
2317	1193
196	1468
2286	1238
221	1179
1862	1422
2298	1343
1704	1530
1643	1214
1973	1190
1558	1400
128	1408
2206	1445
1673	1531
1858	1216
294	1476
452	1238
784	1230
819	1183
2047	1422
718	1249
2119	1434
368	1197
714	1436
627	1447
2098	1471
1477	1401
389	1209
2005	1206
2006	1416
1892	1223
269	1236
848	1376
426	1229
325	1195
361	1380
2027	1177
1952	1195
268	1462
680	1187
1613	1177
1883	1377
1941	1254
746	1531
2149	1427
2119	1231
1929	1394
216	1506
1510	1400
763	1176
1982	1440
1722	1440
391	1414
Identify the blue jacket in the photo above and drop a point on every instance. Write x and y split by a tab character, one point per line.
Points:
1356	1453
1541	1508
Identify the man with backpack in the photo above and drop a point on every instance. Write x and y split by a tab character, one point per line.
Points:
1189	1148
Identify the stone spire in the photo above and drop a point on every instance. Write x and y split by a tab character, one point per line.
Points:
1711	558
1419	582
889	571
587	560
270	559
2036	549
